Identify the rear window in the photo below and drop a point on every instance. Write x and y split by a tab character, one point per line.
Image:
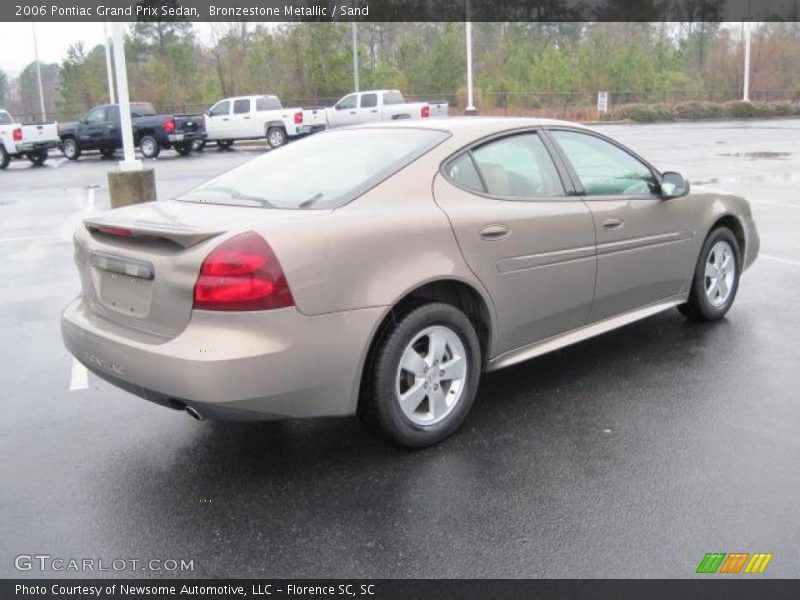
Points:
392	97
323	171
5	118
267	103
142	109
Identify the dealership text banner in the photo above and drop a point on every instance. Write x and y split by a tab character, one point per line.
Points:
398	10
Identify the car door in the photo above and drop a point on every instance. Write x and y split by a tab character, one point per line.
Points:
530	243
644	244
92	129
345	112
112	136
218	121
242	123
368	109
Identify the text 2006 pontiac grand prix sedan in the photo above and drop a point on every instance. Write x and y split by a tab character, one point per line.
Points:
379	270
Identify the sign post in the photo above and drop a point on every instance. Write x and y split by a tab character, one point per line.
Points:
602	103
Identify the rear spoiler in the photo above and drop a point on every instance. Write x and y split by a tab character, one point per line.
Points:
183	236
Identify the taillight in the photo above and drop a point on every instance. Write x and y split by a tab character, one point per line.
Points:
298	118
425	112
17	134
242	273
118	231
169	125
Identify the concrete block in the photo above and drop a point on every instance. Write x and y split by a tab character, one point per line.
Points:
131	187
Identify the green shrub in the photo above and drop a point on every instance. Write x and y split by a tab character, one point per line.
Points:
739	109
736	109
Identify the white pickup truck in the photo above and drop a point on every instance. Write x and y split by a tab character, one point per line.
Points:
31	141
258	117
380	105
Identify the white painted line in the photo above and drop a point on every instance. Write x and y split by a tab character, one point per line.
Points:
774	203
79	378
26	238
786	261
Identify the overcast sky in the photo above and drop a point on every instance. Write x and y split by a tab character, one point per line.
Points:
54	39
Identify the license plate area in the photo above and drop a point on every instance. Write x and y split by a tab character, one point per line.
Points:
123	286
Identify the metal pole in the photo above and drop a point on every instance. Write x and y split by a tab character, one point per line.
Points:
129	162
746	94
355	55
470	100
109	69
38	72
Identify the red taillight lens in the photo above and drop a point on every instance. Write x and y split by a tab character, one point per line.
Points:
425	112
17	134
169	126
242	273
298	118
118	231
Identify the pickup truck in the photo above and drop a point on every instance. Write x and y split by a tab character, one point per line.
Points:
31	141
380	105
256	117
100	129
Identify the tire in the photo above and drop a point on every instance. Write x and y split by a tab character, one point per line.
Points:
184	148
71	148
422	421
224	144
38	158
107	153
276	137
716	277
149	146
198	145
5	157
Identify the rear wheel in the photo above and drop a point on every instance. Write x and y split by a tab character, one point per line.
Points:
276	137
71	149
424	376
716	277
38	157
5	158
184	148
149	146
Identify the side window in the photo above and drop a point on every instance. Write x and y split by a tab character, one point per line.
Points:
264	103
241	106
348	102
112	114
369	100
461	171
222	108
96	115
603	168
518	165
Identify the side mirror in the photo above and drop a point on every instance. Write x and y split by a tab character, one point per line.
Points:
673	185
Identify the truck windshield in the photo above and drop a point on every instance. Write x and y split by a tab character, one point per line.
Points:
325	170
5	118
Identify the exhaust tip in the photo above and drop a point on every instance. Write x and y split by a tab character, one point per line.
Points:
193	413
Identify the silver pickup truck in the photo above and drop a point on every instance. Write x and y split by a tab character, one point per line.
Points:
31	141
380	105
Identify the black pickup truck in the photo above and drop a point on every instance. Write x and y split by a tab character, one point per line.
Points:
99	129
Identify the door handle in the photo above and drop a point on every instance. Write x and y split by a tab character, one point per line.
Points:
613	223
492	233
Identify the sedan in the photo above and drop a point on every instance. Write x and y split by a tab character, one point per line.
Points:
380	270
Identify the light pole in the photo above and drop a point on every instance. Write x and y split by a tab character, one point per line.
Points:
470	110
746	91
129	162
354	32
38	72
109	69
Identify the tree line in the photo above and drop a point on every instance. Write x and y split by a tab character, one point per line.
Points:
516	65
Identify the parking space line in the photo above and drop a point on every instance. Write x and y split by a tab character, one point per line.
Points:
26	238
79	377
786	261
775	203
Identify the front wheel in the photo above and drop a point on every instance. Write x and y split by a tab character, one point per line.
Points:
276	137
37	158
424	376
71	149
5	158
149	146
716	277
183	148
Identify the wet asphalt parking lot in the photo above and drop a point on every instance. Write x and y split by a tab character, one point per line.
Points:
629	455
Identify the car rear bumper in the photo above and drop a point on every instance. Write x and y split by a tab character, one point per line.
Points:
23	147
190	136
233	366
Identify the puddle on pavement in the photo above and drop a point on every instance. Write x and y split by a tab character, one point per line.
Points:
758	155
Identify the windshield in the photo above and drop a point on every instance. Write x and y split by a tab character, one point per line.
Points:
325	170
